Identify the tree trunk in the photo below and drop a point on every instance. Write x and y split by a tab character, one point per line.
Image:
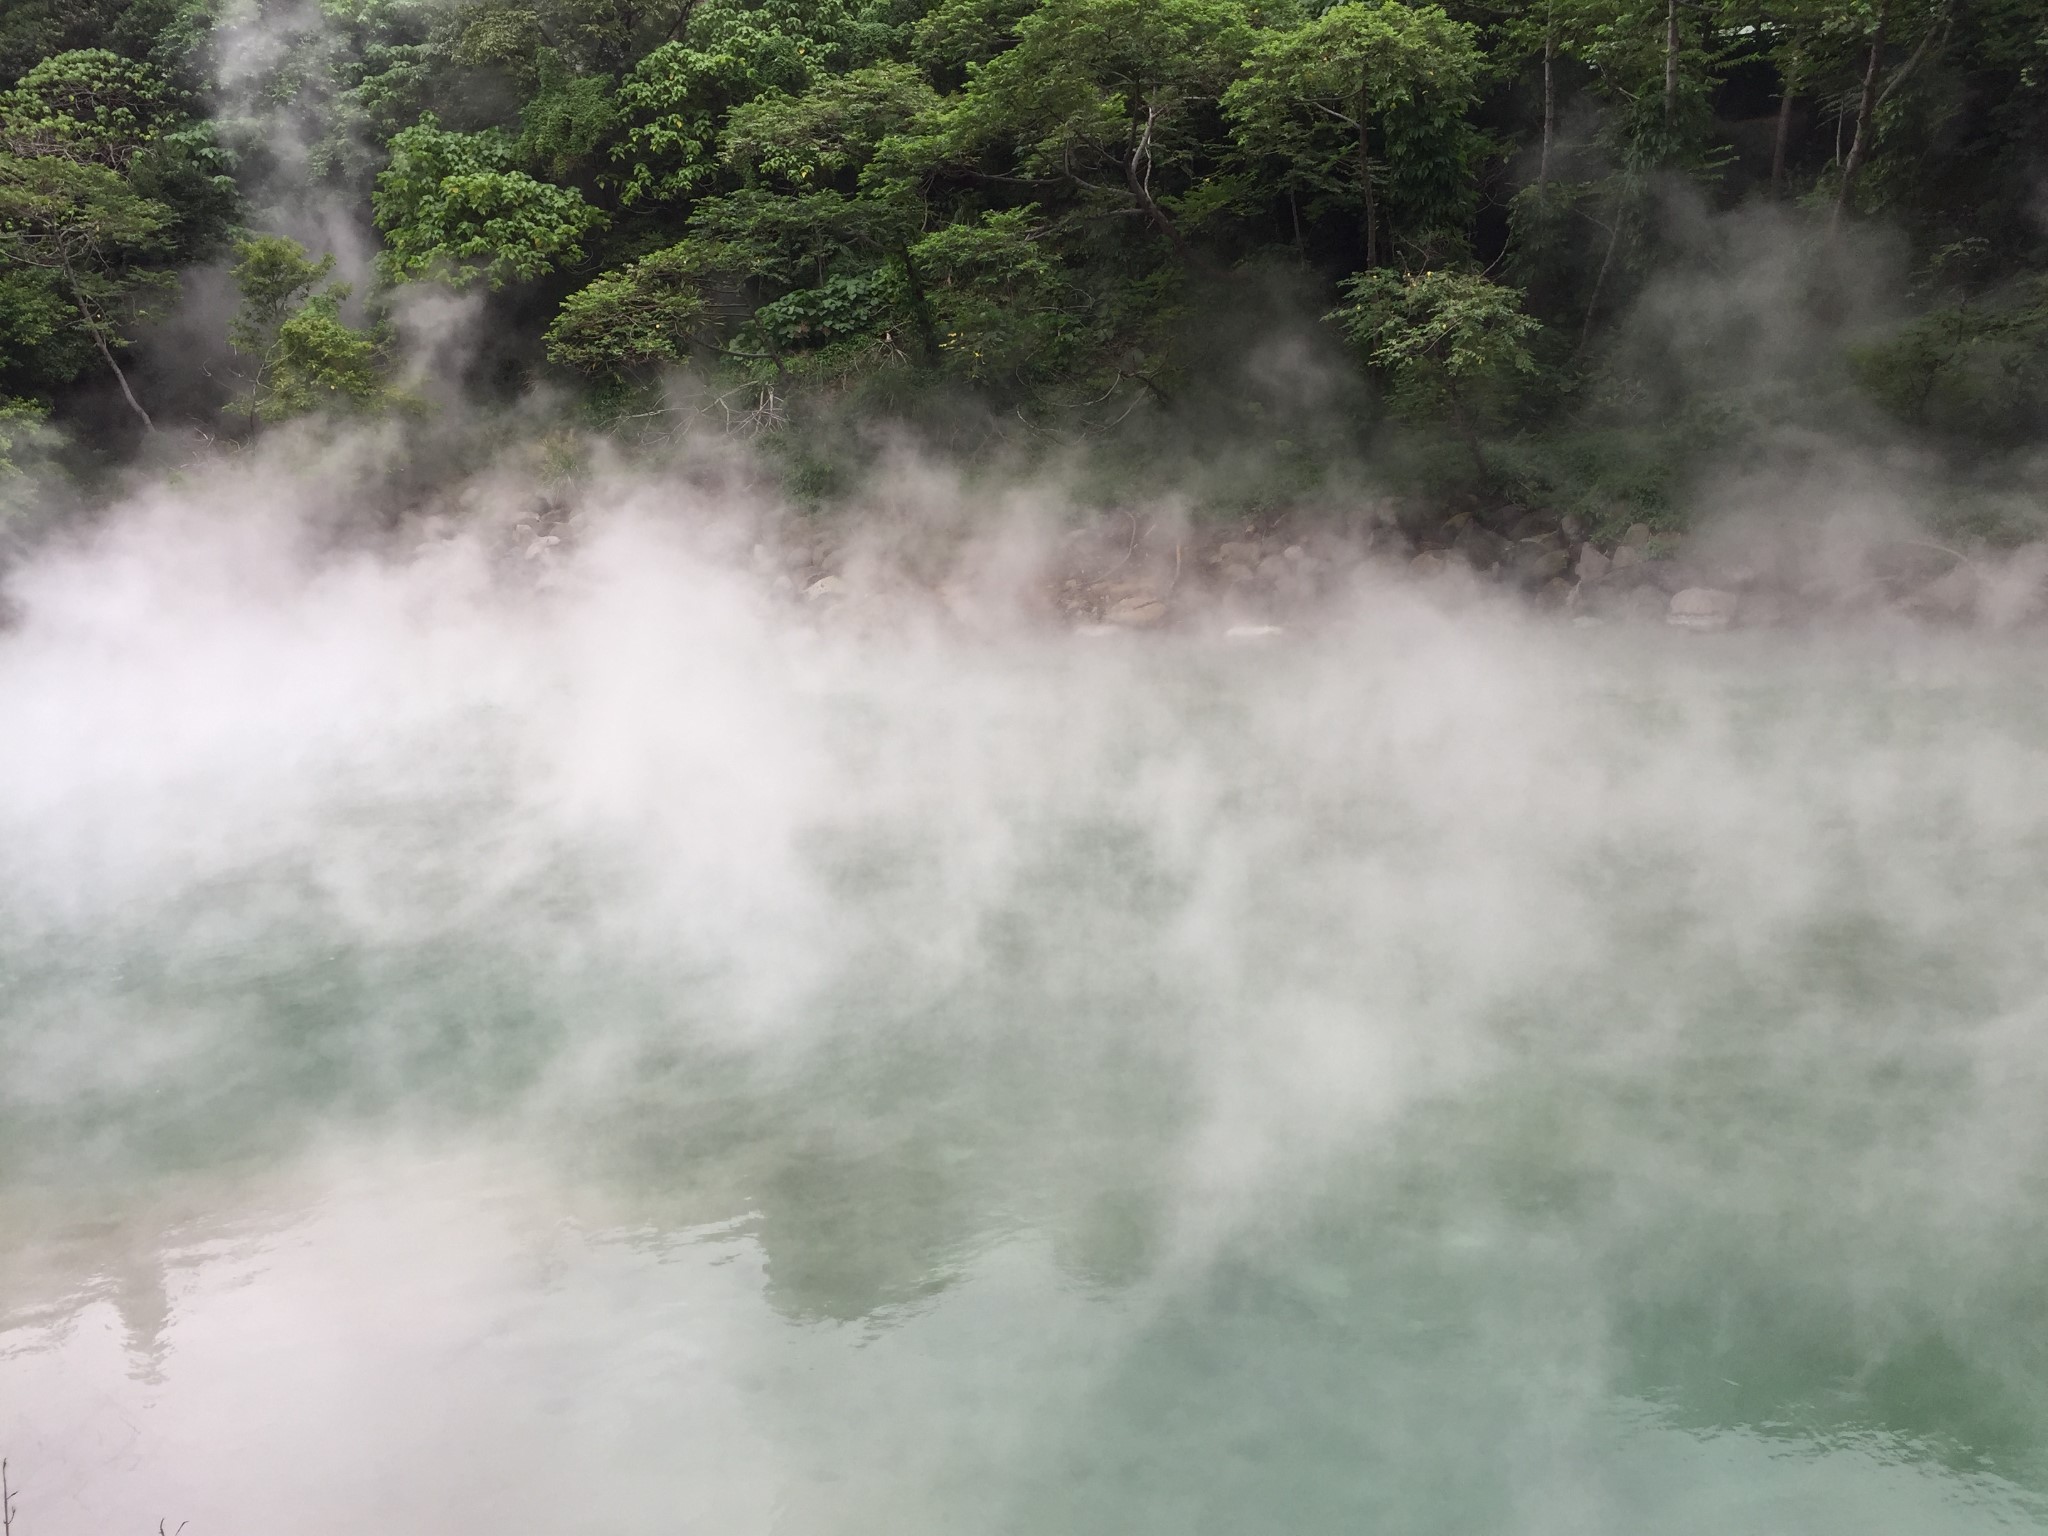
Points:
1549	111
1866	111
1372	215
1671	40
99	339
1138	173
1787	91
1600	281
920	307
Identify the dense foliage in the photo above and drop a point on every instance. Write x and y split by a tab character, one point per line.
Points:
1032	205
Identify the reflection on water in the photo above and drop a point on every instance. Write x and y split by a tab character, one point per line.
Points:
1181	1096
422	1339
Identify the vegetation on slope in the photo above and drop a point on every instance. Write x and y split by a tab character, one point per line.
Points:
1036	220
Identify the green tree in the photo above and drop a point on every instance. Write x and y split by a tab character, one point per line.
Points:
998	299
77	240
589	37
302	356
816	210
1971	367
675	99
452	207
638	318
1450	345
104	189
1113	102
1311	97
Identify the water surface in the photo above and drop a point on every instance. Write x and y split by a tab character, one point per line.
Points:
645	1064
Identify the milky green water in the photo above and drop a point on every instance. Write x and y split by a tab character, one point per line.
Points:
1402	1079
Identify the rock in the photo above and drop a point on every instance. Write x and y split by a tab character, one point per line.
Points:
1294	552
1535	525
1482	549
1702	608
1557	592
1638	536
826	586
1431	562
1238	551
1592	564
1536	562
1252	631
1625	556
1135	612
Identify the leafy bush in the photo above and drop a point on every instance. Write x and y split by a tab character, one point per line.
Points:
452	207
1971	369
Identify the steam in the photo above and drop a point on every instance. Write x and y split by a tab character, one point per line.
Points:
398	898
958	1013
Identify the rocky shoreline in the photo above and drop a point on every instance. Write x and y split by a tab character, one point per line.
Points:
1133	571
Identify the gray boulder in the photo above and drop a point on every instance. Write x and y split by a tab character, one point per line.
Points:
1702	608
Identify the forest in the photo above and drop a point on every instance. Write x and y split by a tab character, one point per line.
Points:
1016	227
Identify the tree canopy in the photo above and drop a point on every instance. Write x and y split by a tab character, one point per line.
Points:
1028	200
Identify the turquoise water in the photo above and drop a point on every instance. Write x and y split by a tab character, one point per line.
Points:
644	1066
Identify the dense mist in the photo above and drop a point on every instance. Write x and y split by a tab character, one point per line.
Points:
1023	767
487	1036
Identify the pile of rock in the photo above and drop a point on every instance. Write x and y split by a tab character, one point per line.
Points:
1129	572
543	533
1649	577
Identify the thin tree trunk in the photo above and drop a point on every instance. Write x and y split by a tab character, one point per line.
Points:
1671	40
1138	173
1866	110
1600	281
1788	90
920	307
1549	111
127	394
99	339
1372	213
